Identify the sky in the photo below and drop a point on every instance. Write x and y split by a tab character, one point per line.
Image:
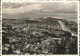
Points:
39	9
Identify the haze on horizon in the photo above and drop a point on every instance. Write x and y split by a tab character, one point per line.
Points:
15	10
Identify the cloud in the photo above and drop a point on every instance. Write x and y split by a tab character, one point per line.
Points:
14	4
38	9
47	7
60	6
21	8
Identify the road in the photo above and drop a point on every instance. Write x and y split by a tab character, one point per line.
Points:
63	27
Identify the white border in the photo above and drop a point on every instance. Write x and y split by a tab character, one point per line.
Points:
78	27
1	27
43	1
35	0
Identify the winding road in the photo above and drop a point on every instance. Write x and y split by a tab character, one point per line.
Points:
63	27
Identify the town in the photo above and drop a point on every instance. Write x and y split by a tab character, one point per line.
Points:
43	36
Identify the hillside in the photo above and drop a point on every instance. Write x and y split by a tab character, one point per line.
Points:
46	35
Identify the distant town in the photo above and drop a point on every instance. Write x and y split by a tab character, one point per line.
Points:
41	36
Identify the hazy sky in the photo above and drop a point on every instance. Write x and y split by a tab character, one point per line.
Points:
32	9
